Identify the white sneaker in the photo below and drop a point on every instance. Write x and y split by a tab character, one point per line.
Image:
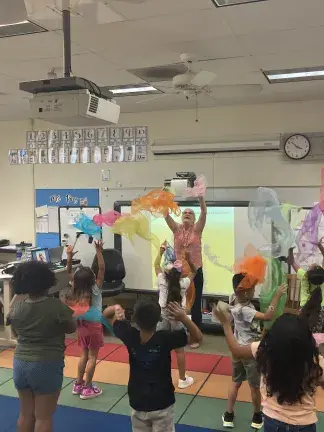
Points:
183	384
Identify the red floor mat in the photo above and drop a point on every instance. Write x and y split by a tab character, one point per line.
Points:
119	356
197	362
69	341
74	350
224	367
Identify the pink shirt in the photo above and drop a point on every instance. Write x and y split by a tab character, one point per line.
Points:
191	240
300	414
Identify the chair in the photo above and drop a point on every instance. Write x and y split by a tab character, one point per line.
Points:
114	274
293	297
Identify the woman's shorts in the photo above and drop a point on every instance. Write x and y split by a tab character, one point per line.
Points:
170	325
43	377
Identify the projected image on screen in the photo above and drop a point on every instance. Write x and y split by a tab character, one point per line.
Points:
225	237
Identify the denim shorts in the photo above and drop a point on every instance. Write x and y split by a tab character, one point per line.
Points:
44	377
272	425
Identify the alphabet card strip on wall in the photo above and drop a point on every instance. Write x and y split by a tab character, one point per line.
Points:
83	146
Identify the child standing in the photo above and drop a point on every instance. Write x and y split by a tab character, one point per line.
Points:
291	370
41	323
150	387
173	288
86	288
247	330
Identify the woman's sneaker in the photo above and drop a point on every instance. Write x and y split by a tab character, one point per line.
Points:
183	384
257	421
228	420
90	392
77	388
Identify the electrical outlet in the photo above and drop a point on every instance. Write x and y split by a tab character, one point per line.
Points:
105	175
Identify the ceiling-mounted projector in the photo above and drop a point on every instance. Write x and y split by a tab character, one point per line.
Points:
71	101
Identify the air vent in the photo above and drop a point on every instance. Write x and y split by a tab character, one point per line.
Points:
159	73
94	103
20	29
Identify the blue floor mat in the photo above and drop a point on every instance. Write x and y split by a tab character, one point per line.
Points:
67	419
9	410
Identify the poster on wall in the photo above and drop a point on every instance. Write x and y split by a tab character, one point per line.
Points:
84	145
46	211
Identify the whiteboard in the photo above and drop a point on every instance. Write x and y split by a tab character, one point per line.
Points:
67	218
226	235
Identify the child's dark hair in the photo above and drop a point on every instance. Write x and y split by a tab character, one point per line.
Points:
237	279
312	308
288	359
147	313
174	289
33	278
83	281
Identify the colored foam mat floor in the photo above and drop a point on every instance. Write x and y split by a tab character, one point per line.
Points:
198	408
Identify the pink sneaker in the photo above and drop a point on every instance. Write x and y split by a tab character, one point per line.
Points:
77	388
90	392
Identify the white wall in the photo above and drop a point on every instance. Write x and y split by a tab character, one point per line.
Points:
222	170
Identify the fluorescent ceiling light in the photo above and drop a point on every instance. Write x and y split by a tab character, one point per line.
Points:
15	23
295	75
132	90
20	28
222	3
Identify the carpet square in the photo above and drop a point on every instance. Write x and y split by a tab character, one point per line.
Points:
217	386
8	413
6	359
197	362
120	355
74	350
199	378
224	367
207	413
112	373
110	397
5	375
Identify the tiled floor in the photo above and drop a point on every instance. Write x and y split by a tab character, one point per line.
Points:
198	408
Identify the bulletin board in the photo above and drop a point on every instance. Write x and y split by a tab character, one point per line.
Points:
47	203
68	233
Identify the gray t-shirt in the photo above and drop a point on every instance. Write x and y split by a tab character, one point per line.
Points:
41	328
246	329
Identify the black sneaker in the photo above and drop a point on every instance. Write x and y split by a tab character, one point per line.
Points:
257	421
228	420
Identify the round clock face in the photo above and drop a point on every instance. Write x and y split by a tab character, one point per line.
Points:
297	147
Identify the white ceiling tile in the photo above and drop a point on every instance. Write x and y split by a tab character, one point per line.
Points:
295	59
33	47
274	15
283	41
151	8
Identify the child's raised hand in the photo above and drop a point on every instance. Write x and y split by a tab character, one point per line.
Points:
282	290
163	247
119	313
69	252
176	311
98	245
221	315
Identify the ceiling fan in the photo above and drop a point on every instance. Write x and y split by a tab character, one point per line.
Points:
191	84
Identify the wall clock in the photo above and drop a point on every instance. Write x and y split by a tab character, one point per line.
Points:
297	147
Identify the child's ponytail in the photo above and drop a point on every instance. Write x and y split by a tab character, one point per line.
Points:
312	308
174	289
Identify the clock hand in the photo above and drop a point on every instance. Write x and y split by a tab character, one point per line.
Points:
300	148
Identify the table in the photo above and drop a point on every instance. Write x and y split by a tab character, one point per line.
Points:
7	253
9	340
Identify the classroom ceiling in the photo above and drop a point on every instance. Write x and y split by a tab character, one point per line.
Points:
112	38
